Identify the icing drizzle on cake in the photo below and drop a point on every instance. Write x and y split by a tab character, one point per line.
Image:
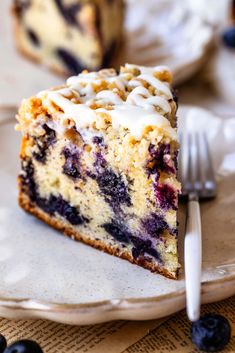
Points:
134	99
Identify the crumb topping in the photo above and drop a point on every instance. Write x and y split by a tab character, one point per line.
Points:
137	98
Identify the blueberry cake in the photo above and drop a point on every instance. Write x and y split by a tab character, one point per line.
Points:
69	35
99	161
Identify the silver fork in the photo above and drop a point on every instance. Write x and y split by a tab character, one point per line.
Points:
198	182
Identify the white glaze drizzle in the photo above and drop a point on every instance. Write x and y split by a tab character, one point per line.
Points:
134	110
109	97
157	84
135	119
140	96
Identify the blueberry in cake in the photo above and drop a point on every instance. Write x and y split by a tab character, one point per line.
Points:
99	161
69	35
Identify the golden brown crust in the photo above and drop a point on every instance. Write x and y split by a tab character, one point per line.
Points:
69	231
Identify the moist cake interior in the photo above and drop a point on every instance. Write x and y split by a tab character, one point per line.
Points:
107	179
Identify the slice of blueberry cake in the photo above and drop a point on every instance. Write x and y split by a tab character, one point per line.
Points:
69	35
99	160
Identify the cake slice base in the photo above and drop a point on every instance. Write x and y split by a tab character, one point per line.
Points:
68	230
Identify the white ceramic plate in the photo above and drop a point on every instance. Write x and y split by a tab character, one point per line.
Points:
46	275
164	32
170	36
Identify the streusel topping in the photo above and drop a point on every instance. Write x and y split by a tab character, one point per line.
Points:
136	98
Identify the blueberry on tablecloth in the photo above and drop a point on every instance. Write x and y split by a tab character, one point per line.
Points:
3	343
24	346
211	332
229	37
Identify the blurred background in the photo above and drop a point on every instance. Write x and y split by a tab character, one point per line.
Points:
195	38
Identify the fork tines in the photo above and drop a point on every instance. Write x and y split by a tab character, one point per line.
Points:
195	166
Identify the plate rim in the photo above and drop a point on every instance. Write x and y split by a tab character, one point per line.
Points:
137	309
40	304
36	308
193	65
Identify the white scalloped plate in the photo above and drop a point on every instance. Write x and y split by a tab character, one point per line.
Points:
171	36
46	275
164	32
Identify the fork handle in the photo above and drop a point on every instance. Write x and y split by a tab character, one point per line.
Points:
193	260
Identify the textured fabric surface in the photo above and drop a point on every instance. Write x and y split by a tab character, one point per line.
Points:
167	335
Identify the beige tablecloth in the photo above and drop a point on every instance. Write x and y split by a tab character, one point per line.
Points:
171	334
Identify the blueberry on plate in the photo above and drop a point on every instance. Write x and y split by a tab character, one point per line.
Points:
3	343
211	332
24	346
229	37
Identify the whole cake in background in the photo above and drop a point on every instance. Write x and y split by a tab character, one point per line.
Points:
69	35
99	162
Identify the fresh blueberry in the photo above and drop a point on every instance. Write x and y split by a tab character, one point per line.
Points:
229	37
211	332
24	346
3	343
